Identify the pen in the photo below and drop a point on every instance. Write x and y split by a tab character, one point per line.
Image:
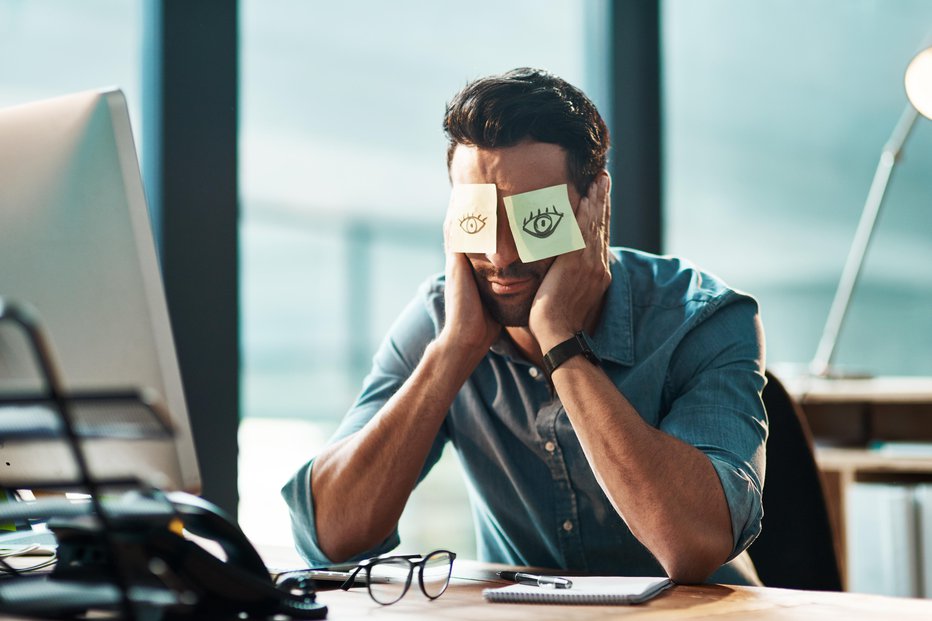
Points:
551	582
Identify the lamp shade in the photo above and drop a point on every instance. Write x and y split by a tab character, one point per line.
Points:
918	82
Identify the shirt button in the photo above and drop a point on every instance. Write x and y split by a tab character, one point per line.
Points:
567	526
550	447
534	372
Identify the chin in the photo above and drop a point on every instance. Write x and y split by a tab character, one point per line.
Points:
512	321
510	314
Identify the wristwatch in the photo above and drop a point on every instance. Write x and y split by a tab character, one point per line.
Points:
579	343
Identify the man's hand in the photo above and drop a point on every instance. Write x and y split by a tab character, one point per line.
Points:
468	325
569	297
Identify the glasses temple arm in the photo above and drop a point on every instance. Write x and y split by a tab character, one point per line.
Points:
350	582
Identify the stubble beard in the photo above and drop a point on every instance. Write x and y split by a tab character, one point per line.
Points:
510	311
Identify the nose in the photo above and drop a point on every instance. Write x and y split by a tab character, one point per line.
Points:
506	252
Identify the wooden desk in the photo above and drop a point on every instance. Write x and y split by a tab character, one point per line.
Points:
845	415
853	412
463	602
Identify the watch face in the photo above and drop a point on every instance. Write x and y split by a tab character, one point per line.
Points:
588	347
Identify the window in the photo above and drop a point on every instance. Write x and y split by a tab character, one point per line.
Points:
344	189
775	116
56	47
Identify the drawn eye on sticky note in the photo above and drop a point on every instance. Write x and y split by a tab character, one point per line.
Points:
543	223
473	217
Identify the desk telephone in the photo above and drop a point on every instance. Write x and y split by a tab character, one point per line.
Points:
163	572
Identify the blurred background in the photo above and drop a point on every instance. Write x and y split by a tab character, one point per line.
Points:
769	123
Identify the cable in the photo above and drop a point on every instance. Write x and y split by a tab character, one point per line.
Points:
7	568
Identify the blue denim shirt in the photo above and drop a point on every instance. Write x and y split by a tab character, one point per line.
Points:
685	350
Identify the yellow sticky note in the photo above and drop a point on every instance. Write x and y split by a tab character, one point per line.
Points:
543	223
473	217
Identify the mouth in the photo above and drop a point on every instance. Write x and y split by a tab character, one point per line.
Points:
510	286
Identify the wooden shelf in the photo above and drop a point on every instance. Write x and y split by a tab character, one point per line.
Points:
842	467
855	412
846	416
861	461
881	390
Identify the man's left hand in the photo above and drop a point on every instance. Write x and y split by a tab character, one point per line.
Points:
568	299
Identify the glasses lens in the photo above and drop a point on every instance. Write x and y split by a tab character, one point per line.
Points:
435	573
389	579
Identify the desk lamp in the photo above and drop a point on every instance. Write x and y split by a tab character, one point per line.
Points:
918	82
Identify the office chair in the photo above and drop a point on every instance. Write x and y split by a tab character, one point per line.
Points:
795	549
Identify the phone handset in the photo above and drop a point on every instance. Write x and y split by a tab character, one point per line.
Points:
242	580
207	520
153	555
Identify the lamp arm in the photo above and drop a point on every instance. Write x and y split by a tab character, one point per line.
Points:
822	362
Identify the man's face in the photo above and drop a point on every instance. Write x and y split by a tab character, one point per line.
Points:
506	285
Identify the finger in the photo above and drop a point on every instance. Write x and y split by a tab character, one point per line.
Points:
595	212
449	264
584	214
588	226
449	255
447	224
605	187
456	271
446	234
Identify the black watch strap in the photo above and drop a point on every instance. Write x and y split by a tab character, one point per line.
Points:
579	343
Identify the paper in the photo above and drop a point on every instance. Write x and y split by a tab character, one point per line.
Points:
599	590
473	217
543	224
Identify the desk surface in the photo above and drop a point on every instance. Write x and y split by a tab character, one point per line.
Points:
463	601
874	460
816	390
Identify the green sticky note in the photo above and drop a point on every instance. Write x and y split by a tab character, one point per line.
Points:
7	496
473	217
543	223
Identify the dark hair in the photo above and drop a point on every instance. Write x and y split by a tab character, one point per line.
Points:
502	110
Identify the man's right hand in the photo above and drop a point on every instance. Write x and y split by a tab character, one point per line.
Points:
468	327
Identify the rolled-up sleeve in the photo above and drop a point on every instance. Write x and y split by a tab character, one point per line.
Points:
393	363
714	383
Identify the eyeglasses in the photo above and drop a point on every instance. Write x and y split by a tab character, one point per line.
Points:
388	577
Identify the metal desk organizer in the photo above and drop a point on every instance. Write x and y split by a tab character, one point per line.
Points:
50	414
125	553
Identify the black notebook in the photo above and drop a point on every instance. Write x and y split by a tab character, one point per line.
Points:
599	590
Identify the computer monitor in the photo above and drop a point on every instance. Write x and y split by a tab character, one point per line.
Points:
76	245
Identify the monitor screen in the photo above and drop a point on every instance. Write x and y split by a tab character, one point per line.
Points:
76	245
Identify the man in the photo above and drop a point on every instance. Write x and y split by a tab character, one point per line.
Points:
642	456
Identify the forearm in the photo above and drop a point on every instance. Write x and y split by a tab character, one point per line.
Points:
667	491
361	484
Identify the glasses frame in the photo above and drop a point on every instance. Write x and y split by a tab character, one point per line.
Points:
418	561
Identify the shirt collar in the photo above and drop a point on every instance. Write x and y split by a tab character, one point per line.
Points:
506	348
614	335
